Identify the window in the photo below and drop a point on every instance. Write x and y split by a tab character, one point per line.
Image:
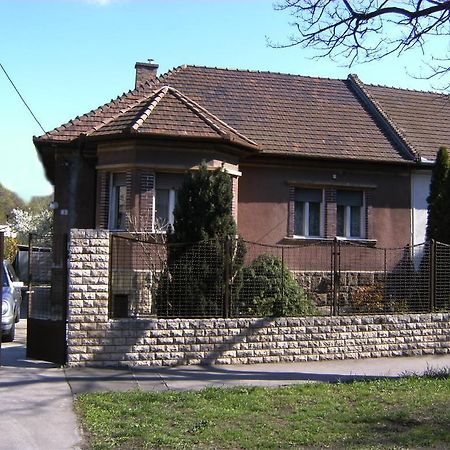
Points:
308	212
350	215
118	201
165	200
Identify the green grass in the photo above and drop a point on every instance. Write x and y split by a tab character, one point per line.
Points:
410	412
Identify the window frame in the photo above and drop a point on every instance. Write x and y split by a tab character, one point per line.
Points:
170	209
306	215
348	217
113	203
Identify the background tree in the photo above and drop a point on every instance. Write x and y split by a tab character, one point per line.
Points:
368	30
439	199
40	223
204	257
8	201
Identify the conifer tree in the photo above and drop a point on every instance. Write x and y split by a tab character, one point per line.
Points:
439	199
204	232
204	207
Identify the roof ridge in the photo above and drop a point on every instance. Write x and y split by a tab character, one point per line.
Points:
158	95
418	91
201	111
356	82
268	72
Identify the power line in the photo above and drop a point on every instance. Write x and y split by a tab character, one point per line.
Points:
23	100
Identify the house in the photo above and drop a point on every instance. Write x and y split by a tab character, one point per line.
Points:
310	158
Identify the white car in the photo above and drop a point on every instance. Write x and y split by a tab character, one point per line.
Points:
11	300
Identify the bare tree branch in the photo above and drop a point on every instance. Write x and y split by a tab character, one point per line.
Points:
367	30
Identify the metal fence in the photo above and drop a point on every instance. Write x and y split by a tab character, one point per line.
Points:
236	278
42	266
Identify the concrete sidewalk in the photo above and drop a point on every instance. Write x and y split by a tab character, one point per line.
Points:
36	397
198	377
35	401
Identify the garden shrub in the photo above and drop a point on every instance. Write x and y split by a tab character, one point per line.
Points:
269	289
11	249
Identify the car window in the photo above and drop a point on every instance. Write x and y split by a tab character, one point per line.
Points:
11	273
5	279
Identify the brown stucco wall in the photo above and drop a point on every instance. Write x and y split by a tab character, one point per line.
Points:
264	198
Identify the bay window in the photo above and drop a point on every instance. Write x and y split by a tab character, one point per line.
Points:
117	201
165	200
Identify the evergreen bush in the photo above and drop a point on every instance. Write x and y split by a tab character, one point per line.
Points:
269	289
439	199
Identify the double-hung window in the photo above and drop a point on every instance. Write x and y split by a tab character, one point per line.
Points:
117	201
165	200
350	217
308	212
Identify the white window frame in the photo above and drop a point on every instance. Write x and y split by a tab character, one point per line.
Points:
171	208
347	219
305	225
112	204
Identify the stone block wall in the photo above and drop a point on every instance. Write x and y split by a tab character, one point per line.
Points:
96	340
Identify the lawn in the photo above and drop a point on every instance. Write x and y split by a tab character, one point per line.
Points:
410	412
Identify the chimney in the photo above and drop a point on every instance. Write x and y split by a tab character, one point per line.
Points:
145	72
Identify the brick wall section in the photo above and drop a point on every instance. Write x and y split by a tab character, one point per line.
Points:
330	212
96	340
146	194
102	210
291	212
370	221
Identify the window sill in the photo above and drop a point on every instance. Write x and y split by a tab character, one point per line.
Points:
307	239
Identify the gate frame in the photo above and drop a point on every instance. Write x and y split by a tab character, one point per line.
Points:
47	337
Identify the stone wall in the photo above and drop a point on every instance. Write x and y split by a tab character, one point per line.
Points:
95	339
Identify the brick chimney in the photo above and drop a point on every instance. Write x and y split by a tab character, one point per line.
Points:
145	72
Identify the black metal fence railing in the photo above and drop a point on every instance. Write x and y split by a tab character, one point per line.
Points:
235	278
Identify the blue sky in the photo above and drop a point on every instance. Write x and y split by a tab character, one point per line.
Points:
68	57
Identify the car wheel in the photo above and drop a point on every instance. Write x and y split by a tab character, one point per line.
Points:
9	337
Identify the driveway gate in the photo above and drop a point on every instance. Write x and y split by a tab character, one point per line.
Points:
47	301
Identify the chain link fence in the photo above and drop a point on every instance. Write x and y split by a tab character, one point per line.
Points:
236	278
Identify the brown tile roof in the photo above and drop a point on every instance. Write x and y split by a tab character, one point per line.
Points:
420	118
168	112
282	114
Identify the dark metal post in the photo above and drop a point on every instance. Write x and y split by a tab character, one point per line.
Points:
2	256
282	275
30	275
335	276
227	269
432	296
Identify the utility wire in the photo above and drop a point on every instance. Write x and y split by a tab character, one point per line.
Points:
23	100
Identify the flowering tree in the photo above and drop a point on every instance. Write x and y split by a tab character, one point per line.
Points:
23	222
